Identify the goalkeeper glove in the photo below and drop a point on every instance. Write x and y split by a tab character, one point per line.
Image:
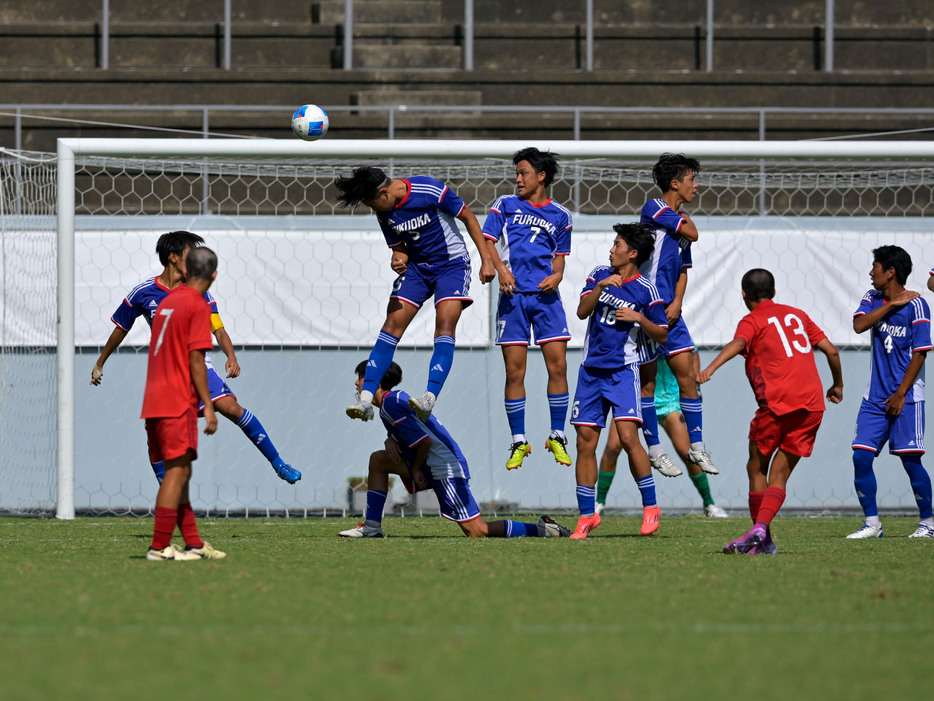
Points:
97	374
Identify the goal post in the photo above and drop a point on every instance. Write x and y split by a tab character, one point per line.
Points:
751	155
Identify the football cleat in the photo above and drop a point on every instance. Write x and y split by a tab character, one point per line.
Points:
549	528
715	511
361	410
585	524
650	516
768	546
923	531
170	552
702	459
665	466
423	405
558	446
517	453
206	552
363	531
866	531
288	473
749	543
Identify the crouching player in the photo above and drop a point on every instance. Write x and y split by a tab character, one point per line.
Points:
617	299
777	341
425	456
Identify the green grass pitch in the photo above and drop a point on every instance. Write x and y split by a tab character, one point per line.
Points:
296	612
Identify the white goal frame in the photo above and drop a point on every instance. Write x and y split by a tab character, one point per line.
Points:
69	149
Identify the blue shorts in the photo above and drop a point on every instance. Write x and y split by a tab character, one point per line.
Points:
540	312
447	280
454	498
601	390
679	341
904	433
216	384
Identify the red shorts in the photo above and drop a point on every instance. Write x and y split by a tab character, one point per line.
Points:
172	437
794	433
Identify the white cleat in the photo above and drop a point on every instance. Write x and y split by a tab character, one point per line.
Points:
715	511
702	459
363	531
206	552
923	531
423	406
598	508
549	528
170	552
867	531
361	410
665	466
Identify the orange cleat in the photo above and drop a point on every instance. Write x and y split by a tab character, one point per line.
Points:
650	516
584	525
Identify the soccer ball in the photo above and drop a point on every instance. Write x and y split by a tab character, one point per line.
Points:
310	122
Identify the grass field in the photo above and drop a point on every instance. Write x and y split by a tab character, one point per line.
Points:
295	612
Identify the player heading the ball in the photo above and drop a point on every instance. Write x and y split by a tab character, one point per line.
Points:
534	234
416	215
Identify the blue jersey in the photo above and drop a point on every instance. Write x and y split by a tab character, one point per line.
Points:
445	459
611	343
424	222
895	339
143	301
672	251
530	237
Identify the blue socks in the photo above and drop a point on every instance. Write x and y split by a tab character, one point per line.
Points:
646	486
864	479
586	499
558	408
650	421
379	361
515	415
694	418
920	482
375	501
441	361
517	529
254	430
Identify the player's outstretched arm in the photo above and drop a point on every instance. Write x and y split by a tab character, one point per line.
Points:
864	322
835	391
487	271
199	378
730	351
223	340
116	338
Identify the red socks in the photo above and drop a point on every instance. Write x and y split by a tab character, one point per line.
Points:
772	502
755	503
163	528
188	526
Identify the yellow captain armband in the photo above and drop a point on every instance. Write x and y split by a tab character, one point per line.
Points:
216	322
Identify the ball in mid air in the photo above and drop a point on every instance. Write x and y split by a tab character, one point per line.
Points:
310	122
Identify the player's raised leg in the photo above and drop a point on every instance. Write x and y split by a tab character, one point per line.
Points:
555	355
658	458
683	368
253	429
515	357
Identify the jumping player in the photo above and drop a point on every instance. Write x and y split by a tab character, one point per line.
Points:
416	216
674	174
777	341
616	298
534	232
668	406
176	378
892	409
425	456
143	301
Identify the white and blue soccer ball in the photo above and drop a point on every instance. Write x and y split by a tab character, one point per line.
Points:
310	122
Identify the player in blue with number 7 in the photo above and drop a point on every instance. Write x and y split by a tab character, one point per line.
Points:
416	216
892	409
623	306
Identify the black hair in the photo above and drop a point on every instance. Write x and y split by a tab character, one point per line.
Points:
758	284
176	242
542	161
391	378
639	237
673	166
894	257
360	186
200	263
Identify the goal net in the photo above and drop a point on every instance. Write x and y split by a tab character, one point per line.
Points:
303	285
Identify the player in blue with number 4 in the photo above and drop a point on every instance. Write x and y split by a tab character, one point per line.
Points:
143	301
892	409
416	216
623	307
534	233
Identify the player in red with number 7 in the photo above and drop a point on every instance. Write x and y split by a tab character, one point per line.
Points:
176	379
777	341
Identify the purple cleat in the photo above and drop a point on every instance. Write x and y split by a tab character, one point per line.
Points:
768	546
749	543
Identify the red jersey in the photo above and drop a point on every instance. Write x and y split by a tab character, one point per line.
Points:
780	359
182	323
